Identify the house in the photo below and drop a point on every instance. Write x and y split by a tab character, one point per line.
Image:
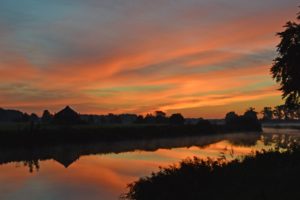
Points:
67	116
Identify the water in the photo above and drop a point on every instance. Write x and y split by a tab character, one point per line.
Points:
102	170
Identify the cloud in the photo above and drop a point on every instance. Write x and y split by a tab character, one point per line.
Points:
136	56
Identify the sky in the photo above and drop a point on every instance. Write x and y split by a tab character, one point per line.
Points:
201	58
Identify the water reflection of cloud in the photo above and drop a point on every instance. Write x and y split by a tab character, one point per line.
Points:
105	176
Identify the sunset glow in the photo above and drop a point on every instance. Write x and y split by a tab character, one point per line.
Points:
199	58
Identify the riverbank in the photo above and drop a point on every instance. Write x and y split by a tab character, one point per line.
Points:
265	176
47	134
293	124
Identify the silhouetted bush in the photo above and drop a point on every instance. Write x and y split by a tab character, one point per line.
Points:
267	176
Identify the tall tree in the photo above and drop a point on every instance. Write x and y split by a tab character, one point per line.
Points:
286	67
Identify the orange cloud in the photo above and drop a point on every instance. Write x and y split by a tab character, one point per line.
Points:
225	58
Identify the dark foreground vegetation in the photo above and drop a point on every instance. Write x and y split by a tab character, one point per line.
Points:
267	176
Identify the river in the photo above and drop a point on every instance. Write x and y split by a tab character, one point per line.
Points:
102	170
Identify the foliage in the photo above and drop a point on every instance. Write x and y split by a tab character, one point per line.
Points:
176	119
267	113
286	67
246	122
268	175
281	112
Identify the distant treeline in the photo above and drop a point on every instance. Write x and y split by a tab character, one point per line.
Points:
69	116
7	115
281	112
67	126
159	117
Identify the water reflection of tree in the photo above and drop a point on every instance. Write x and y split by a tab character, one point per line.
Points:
248	141
280	142
226	155
69	153
32	165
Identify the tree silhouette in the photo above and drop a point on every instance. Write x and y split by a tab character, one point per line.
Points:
160	117
25	117
251	114
176	119
47	117
160	113
286	69
139	119
278	112
267	113
33	117
231	117
246	122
